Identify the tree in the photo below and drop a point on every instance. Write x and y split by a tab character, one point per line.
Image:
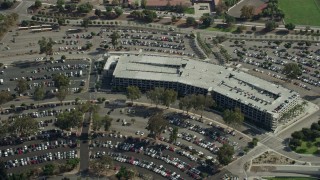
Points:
101	164
143	4
63	57
292	70
123	173
186	103
118	11
107	122
49	169
98	12
156	124
168	97
191	21
85	23
207	20
233	117
200	102
173	18
37	4
241	28
96	122
270	26
22	86
62	93
247	12
5	97
67	120
60	80
70	7
46	45
85	8
24	126
221	8
294	143
290	26
149	15
133	93
155	95
253	28
39	93
174	134
225	154
114	39
3	171
229	20
60	4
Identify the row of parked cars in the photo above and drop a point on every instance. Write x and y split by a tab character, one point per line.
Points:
160	169
41	159
37	147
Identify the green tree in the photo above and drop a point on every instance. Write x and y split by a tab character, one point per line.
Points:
107	122
118	11
114	39
85	23
292	70
98	12
71	7
168	97
62	93
290	26
173	18
24	126
97	122
149	15
60	80
155	95
225	154
101	164
156	124
174	134
241	28
39	93
229	20
270	26
133	93
67	120
247	12
190	21
3	171
143	4
186	103
49	169
37	4
22	86
5	97
85	8
207	20
200	102
60	4
233	117
46	45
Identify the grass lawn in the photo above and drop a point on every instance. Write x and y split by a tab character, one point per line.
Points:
290	178
301	12
189	11
303	149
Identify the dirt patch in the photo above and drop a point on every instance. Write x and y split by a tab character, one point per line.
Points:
272	158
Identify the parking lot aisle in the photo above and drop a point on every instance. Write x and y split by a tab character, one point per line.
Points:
84	147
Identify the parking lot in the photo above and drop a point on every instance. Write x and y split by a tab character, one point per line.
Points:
269	58
41	72
186	158
72	41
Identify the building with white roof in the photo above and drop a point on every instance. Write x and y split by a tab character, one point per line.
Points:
261	101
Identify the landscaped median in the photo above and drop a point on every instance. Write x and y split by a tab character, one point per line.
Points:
306	141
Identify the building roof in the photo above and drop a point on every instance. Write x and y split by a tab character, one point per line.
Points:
159	3
233	83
